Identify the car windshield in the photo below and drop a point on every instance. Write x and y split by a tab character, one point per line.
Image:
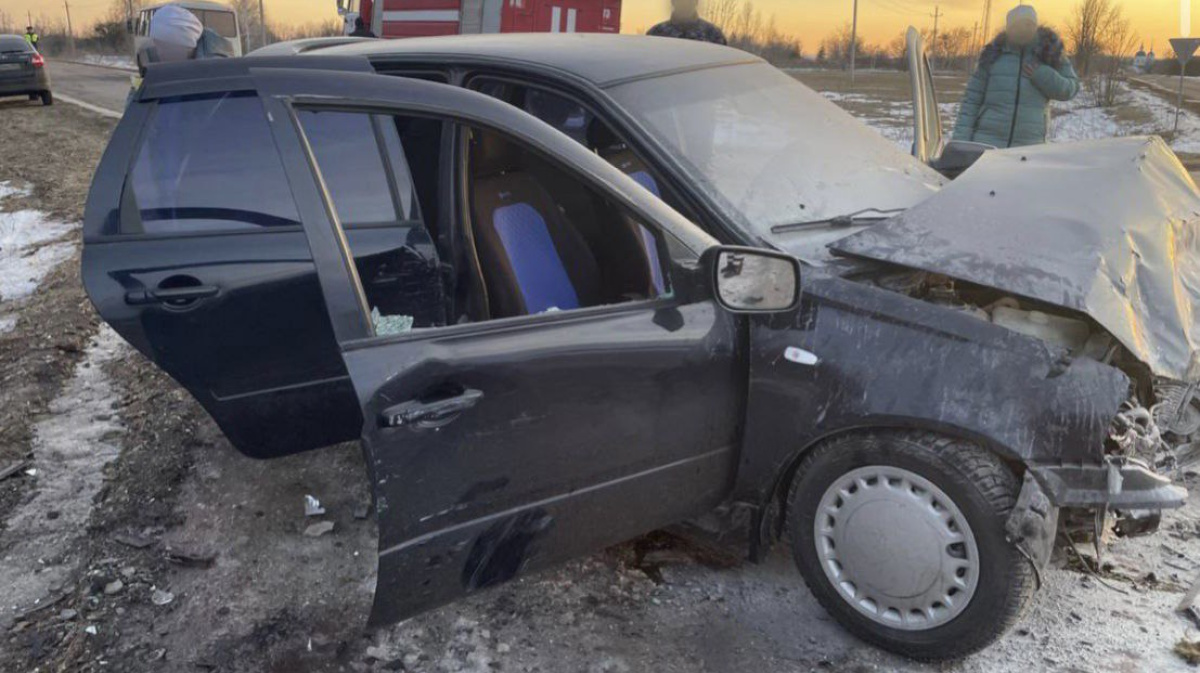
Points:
771	151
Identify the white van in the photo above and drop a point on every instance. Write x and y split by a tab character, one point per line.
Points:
221	19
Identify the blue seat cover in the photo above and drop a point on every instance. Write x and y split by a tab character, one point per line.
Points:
534	259
656	275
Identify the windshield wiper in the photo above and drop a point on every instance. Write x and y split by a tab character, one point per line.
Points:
849	220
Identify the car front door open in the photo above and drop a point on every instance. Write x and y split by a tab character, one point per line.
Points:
501	446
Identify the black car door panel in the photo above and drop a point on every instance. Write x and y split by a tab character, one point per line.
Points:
574	435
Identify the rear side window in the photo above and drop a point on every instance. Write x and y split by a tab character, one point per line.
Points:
221	23
209	165
14	44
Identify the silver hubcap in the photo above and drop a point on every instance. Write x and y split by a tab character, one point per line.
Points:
896	547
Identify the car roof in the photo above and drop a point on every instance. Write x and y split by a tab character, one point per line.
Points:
5	37
604	60
193	4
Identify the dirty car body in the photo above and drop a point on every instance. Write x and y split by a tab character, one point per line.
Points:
527	333
23	70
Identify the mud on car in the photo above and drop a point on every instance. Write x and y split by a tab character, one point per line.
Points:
570	289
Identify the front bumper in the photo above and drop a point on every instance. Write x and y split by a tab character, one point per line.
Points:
1118	483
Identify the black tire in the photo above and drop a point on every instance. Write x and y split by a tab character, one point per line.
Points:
47	98
982	487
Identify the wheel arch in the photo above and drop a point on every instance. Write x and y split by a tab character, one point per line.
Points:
767	525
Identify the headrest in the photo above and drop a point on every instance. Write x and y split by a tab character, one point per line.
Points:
492	153
601	137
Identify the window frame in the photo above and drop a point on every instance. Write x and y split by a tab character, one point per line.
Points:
128	196
459	126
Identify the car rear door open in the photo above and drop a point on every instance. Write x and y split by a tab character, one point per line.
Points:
194	252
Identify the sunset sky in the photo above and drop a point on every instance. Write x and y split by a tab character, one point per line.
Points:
810	20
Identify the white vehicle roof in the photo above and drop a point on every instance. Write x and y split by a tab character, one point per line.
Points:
193	4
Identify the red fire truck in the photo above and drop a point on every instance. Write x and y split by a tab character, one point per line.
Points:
413	18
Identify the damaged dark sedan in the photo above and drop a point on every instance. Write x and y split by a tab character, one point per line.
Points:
570	289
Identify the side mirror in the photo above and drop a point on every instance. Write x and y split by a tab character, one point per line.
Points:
752	280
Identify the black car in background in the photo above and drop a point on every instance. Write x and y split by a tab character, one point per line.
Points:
551	283
23	70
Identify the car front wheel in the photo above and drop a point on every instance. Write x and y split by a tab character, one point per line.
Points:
901	538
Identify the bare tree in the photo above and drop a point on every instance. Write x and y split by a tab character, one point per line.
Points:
1116	40
721	13
837	46
1084	28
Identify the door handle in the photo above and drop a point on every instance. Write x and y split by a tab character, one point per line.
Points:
174	296
429	414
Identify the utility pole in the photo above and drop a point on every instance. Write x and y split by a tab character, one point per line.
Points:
985	36
262	20
937	14
70	31
853	40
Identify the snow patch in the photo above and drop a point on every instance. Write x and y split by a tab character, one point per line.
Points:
1079	120
1188	138
28	249
70	447
109	60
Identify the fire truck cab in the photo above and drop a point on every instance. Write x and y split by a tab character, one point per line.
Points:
420	18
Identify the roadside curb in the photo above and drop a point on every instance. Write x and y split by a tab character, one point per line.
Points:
102	111
120	68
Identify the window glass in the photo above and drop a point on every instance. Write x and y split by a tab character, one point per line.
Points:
363	162
221	23
14	44
209	165
346	146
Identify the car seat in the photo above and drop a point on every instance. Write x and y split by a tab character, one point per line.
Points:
533	259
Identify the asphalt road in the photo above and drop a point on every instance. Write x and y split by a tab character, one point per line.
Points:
1169	86
96	85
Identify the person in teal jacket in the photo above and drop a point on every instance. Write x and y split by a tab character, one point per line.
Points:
1007	103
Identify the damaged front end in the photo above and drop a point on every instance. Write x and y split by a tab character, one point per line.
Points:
1111	275
1153	437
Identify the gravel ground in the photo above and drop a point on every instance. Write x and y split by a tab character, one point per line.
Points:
195	558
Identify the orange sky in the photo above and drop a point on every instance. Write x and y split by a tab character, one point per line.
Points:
879	20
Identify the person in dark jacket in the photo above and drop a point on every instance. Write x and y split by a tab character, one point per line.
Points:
360	28
1007	103
685	23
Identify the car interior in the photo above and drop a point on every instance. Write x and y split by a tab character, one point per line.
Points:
531	237
544	241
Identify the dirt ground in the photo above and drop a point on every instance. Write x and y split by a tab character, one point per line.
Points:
137	539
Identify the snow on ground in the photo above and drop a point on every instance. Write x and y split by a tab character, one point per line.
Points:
70	448
1079	119
1188	138
30	247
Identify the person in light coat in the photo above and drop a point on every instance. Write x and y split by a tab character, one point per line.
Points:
1007	102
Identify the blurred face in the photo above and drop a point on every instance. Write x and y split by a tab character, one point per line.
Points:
685	7
1022	31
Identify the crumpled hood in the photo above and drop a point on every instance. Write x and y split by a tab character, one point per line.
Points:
1109	228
